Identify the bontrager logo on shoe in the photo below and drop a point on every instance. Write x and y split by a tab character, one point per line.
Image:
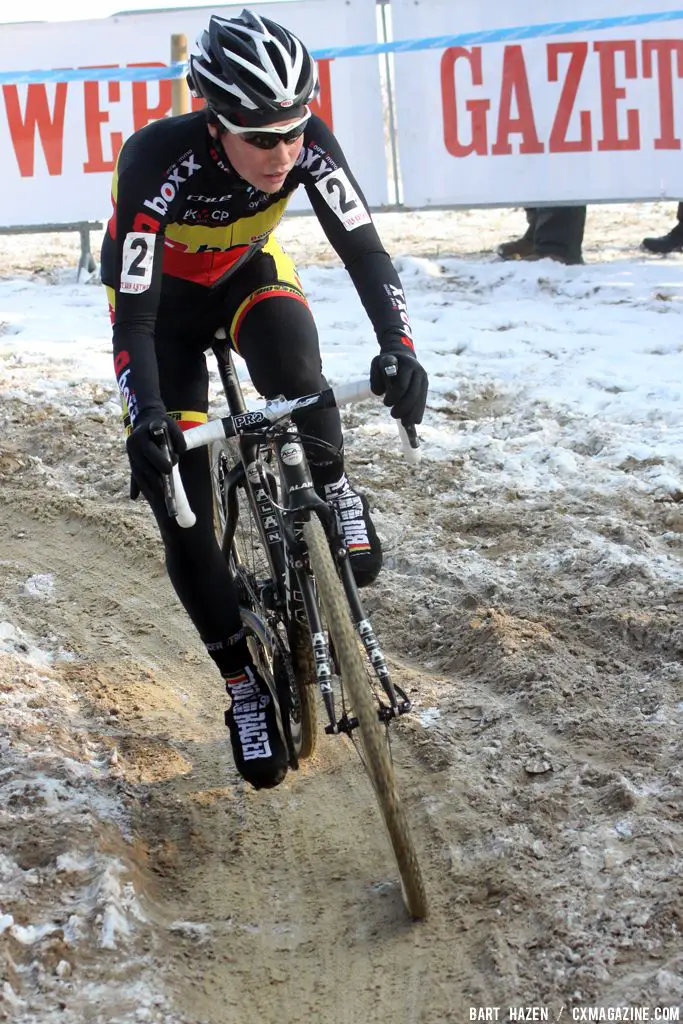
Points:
349	508
178	175
249	714
355	535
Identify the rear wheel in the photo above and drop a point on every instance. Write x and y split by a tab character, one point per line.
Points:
281	652
377	758
307	687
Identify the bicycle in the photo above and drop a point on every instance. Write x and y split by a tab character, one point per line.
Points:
287	554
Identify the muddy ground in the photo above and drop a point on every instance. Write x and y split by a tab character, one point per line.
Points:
541	771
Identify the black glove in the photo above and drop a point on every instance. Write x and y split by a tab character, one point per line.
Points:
149	456
396	374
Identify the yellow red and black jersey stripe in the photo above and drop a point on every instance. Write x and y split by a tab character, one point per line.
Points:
184	222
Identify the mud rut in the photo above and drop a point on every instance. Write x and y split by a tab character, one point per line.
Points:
542	780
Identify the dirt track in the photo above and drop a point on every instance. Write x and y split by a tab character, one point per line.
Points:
545	797
542	772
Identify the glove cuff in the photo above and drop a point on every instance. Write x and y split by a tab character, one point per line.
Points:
394	344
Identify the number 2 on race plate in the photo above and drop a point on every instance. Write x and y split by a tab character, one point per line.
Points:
340	195
136	263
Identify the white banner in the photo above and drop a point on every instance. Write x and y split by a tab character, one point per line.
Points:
59	141
592	116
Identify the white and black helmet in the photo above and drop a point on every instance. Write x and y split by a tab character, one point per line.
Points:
252	70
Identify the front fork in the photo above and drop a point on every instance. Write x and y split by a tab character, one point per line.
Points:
399	703
302	501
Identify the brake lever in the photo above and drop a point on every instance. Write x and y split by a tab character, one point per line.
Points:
161	440
408	431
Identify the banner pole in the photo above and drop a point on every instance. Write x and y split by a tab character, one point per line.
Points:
393	141
181	98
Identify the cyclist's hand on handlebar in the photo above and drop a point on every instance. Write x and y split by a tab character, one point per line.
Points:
397	374
154	447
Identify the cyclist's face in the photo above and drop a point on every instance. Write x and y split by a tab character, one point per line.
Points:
265	169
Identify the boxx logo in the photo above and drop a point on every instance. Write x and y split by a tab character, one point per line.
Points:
171	186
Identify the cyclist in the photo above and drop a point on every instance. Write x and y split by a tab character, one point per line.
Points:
190	249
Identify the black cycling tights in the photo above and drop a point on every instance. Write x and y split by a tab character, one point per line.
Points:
279	343
194	562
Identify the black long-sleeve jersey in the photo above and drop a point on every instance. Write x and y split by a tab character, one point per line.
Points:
184	221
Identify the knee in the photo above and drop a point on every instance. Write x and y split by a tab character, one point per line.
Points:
279	342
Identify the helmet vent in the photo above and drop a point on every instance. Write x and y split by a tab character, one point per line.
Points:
275	54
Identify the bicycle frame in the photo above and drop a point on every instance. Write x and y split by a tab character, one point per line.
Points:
280	528
249	473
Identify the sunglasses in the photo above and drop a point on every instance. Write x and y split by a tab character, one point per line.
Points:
268	138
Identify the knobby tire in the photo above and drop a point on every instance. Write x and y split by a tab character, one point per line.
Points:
373	738
307	688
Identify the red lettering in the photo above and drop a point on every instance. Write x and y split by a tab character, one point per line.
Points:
121	360
515	86
477	109
665	49
143	111
37	118
611	93
95	117
558	142
322	105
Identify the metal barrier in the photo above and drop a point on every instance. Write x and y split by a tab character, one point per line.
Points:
86	261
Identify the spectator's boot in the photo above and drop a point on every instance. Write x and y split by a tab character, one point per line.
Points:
558	234
673	242
518	248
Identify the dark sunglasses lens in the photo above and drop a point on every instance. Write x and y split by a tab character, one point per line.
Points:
262	140
269	140
295	133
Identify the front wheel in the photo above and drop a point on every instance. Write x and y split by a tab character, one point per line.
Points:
377	758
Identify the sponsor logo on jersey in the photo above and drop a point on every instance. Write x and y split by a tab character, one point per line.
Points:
261	197
128	395
209	199
397	301
177	176
316	161
205	216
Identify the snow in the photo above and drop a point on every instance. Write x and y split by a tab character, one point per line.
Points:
45	786
580	369
40	585
584	365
